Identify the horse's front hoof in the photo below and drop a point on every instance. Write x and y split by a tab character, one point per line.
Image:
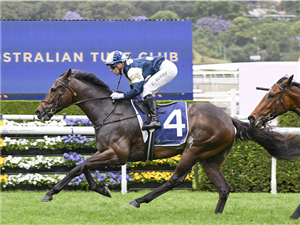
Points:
106	192
46	198
134	203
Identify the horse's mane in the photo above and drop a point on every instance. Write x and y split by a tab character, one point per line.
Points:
293	83
92	79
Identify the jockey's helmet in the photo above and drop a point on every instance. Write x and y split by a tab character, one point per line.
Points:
114	58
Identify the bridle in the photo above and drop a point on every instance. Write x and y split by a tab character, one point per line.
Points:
273	114
60	98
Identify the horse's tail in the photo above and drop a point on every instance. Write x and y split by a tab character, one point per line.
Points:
278	145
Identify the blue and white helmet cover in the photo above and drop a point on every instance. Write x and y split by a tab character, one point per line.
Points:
115	57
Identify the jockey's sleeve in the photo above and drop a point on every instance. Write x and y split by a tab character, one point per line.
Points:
137	88
136	81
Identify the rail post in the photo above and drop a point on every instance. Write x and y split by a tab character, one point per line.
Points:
124	180
273	177
233	102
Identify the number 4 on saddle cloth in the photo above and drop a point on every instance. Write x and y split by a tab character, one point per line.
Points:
174	125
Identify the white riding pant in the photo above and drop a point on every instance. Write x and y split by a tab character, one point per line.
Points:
167	71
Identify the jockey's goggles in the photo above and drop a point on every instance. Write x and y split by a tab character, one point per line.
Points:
113	66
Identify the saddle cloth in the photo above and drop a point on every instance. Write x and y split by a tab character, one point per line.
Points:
174	124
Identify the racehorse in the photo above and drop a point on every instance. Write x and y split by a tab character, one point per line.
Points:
283	96
119	139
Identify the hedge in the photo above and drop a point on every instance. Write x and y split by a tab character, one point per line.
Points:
28	107
248	169
289	119
25	107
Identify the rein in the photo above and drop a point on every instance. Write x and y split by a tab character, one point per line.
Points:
273	115
60	98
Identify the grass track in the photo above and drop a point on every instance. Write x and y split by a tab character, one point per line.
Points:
174	207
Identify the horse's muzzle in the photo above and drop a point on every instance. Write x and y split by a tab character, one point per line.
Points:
43	115
256	122
251	120
38	113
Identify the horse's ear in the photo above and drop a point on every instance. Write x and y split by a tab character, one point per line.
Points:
69	73
290	80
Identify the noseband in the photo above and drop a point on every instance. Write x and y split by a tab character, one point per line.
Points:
60	98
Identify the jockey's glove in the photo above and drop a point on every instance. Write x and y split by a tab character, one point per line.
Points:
116	95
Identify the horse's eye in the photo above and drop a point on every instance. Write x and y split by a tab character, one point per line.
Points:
53	90
271	95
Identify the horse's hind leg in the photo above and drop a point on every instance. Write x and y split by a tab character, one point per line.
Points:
212	168
296	214
217	178
182	169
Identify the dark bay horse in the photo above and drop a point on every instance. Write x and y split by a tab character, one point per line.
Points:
283	96
210	137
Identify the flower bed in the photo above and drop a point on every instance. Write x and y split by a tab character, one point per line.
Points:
137	174
109	179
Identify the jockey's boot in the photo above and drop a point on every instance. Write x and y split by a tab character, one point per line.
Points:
154	121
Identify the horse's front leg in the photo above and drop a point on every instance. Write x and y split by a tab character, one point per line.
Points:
296	214
107	157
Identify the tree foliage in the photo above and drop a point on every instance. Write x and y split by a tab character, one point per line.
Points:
273	51
241	31
229	10
291	7
165	15
206	43
278	32
236	54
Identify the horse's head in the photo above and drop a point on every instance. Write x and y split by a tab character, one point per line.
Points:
276	102
58	97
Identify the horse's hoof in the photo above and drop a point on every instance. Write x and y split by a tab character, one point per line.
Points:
106	192
134	203
46	198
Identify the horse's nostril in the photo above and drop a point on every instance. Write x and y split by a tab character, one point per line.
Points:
37	112
251	119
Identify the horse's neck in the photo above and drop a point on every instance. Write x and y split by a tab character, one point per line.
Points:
295	97
95	110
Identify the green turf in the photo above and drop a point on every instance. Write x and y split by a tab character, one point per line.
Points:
173	207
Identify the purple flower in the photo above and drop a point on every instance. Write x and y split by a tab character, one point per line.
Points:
139	18
214	24
72	16
112	181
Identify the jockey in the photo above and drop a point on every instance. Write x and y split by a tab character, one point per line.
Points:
146	77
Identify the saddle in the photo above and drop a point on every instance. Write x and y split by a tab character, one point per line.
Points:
142	105
149	145
174	130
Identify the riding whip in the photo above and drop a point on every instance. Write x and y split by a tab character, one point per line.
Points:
262	89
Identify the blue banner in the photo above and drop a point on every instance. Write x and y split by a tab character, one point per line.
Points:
35	53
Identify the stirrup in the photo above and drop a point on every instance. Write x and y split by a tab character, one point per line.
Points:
151	125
